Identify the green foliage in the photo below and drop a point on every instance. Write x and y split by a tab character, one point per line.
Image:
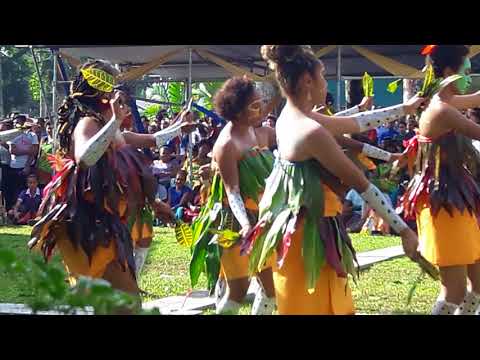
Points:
393	86
21	86
51	291
367	84
174	92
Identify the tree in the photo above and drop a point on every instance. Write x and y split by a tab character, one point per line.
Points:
16	74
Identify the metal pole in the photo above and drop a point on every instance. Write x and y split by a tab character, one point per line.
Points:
339	76
54	99
190	136
1	88
43	97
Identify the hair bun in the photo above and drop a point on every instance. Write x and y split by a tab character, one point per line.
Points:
282	54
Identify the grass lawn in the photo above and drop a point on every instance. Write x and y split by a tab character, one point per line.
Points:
383	289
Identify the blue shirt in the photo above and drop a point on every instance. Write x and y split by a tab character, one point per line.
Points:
356	200
385	133
30	202
175	196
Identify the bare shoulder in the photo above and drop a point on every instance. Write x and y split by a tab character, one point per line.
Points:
266	135
86	127
225	146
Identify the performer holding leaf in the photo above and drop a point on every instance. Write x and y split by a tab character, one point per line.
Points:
102	180
444	192
314	253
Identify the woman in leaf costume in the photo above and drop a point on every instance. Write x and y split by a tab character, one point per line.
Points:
101	182
297	220
444	191
242	160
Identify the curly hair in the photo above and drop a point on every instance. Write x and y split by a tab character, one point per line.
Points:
233	97
82	101
444	56
289	63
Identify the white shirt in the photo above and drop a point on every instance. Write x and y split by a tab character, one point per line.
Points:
23	141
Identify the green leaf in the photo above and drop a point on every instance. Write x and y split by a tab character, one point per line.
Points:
313	253
393	86
183	234
99	79
367	83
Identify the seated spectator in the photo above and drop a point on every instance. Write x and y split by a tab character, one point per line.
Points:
270	121
200	157
165	169
200	194
165	123
24	151
386	132
27	204
374	224
179	195
402	130
152	129
411	126
354	211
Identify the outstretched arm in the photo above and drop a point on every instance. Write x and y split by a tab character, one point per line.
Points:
340	125
463	102
323	147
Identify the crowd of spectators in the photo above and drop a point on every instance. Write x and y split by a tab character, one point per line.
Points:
183	180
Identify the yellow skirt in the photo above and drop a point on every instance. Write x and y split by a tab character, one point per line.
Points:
142	234
76	261
233	265
448	240
332	294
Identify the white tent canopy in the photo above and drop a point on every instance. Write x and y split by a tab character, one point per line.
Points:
246	56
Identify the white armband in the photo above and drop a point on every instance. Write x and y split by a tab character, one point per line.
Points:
376	153
165	135
348	112
9	135
98	144
238	208
372	119
377	201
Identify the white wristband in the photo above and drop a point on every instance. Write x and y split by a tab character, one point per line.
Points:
163	136
372	119
376	153
238	208
99	143
348	112
376	200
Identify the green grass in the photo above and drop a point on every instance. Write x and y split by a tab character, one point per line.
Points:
382	289
363	243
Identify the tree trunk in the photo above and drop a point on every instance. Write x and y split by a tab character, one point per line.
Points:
1	89
353	92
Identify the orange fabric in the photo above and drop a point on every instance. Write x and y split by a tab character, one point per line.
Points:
233	265
447	240
332	294
76	261
141	233
333	205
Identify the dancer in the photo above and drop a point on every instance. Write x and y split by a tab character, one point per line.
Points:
314	253
243	160
101	181
444	192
